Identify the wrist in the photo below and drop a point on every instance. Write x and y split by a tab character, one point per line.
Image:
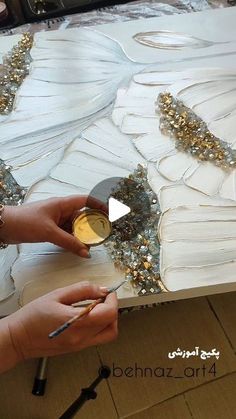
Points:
9	354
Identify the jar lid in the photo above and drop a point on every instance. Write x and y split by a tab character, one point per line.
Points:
3	11
92	227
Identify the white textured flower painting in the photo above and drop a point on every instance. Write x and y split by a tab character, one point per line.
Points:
87	112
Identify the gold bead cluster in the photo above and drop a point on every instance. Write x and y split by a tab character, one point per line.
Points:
191	133
13	71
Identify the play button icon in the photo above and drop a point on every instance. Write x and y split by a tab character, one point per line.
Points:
117	209
128	205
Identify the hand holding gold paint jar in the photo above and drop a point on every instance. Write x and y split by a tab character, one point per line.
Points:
92	227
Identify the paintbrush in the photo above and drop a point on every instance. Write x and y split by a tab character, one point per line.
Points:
85	311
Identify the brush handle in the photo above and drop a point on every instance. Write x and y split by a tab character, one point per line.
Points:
85	311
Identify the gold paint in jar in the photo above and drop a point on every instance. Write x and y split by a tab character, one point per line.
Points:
92	227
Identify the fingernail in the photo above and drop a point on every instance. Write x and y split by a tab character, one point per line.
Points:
84	253
104	289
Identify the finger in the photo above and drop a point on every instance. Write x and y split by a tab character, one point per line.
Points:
106	335
69	242
96	203
79	292
103	314
111	300
76	202
109	308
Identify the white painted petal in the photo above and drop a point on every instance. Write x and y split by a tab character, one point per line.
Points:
105	142
211	95
209	73
198	239
76	169
170	40
158	78
218	107
7	258
127	101
189	254
74	36
101	152
207	178
156	181
141	109
51	270
40	88
220	222
193	91
174	166
50	188
133	124
7	43
183	277
27	175
118	115
191	230
154	146
180	195
228	188
32	156
224	128
141	90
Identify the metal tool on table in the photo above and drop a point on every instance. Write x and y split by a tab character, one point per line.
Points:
86	394
40	378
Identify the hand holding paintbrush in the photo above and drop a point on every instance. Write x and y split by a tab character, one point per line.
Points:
84	311
30	326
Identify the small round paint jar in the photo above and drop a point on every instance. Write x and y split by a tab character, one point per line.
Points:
92	227
3	11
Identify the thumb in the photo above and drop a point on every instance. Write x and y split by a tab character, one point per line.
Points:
69	242
80	292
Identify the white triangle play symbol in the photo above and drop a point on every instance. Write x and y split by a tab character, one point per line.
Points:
116	209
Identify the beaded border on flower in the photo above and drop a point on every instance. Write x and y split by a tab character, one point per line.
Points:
10	192
13	72
137	255
191	133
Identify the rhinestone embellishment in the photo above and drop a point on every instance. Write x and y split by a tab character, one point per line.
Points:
10	192
137	255
191	133
13	72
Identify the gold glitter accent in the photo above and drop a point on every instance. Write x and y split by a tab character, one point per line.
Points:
147	265
92	227
2	186
13	72
191	133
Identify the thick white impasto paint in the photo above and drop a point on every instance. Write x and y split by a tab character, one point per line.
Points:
87	112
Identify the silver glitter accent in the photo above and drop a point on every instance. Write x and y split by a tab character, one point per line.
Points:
10	192
137	255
